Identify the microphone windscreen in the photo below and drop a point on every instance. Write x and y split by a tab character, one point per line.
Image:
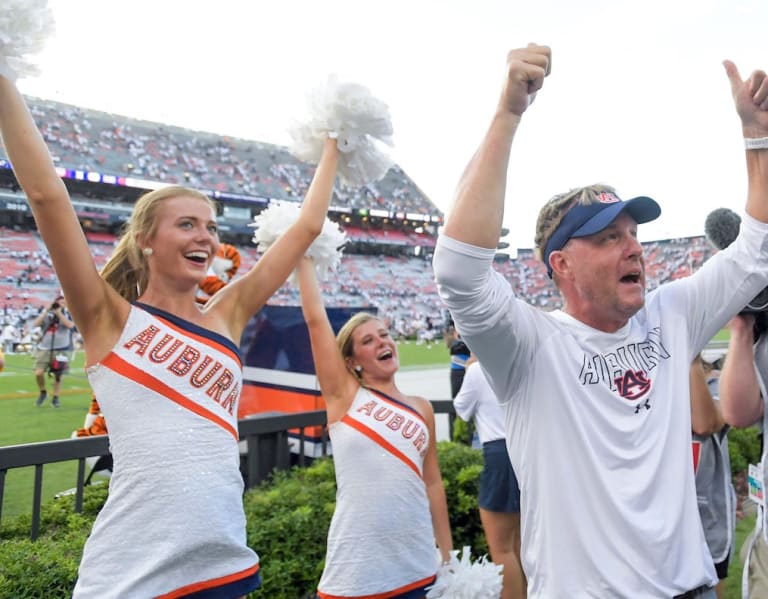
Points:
722	227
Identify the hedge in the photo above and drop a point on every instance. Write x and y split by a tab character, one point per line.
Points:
288	518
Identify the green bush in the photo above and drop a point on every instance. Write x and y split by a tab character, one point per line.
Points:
288	518
460	467
462	431
47	568
743	448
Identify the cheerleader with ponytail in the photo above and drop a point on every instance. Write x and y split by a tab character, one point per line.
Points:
167	371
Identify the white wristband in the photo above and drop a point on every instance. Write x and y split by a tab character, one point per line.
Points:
756	143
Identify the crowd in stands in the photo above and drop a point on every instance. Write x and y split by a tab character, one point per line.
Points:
93	141
402	289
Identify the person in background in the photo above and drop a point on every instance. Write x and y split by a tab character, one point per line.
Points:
712	467
9	337
742	389
596	396
459	353
499	496
54	350
390	509
167	372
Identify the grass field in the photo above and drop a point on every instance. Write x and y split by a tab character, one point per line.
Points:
732	584
23	422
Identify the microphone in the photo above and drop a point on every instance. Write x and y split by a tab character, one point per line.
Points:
721	227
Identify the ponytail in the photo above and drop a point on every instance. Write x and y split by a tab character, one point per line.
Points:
126	269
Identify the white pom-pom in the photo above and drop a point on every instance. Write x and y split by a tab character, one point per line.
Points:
25	25
358	121
325	250
463	579
220	267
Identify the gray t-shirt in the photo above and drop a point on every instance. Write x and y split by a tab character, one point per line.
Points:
55	335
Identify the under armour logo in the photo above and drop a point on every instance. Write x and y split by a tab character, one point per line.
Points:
646	405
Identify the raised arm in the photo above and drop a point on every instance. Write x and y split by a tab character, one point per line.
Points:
751	99
705	413
88	296
336	382
740	399
242	298
478	206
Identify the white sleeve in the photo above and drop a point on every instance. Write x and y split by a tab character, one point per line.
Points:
499	328
723	286
465	402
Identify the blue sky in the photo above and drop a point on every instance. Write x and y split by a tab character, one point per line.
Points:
637	98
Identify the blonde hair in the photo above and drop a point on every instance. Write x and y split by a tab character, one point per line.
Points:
344	338
554	211
127	269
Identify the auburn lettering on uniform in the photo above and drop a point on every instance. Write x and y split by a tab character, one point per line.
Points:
185	361
409	428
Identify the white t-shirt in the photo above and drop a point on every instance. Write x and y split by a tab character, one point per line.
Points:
477	400
598	424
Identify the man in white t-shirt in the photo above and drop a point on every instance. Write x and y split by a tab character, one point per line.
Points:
596	395
499	494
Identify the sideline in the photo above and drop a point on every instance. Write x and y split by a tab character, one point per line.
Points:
30	394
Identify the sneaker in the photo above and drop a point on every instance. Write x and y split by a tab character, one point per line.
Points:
55	401
41	398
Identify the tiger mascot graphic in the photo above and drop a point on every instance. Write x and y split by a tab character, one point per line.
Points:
222	270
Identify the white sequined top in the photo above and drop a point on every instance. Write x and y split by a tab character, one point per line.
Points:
173	522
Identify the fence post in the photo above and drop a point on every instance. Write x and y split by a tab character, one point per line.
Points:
266	452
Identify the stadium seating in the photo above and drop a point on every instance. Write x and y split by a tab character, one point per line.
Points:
401	288
391	275
89	140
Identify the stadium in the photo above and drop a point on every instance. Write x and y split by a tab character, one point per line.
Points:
107	161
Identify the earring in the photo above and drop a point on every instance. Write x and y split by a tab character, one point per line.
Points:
358	369
147	251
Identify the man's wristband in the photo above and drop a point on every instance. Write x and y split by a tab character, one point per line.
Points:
756	143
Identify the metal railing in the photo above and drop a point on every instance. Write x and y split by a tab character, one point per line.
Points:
273	441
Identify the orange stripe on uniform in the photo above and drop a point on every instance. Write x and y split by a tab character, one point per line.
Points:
120	366
377	438
208	584
409	587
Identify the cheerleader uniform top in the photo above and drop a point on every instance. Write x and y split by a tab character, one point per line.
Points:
173	522
381	542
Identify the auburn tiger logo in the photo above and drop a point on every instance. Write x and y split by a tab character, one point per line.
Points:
633	384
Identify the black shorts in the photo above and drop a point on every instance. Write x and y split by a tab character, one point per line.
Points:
499	491
722	569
